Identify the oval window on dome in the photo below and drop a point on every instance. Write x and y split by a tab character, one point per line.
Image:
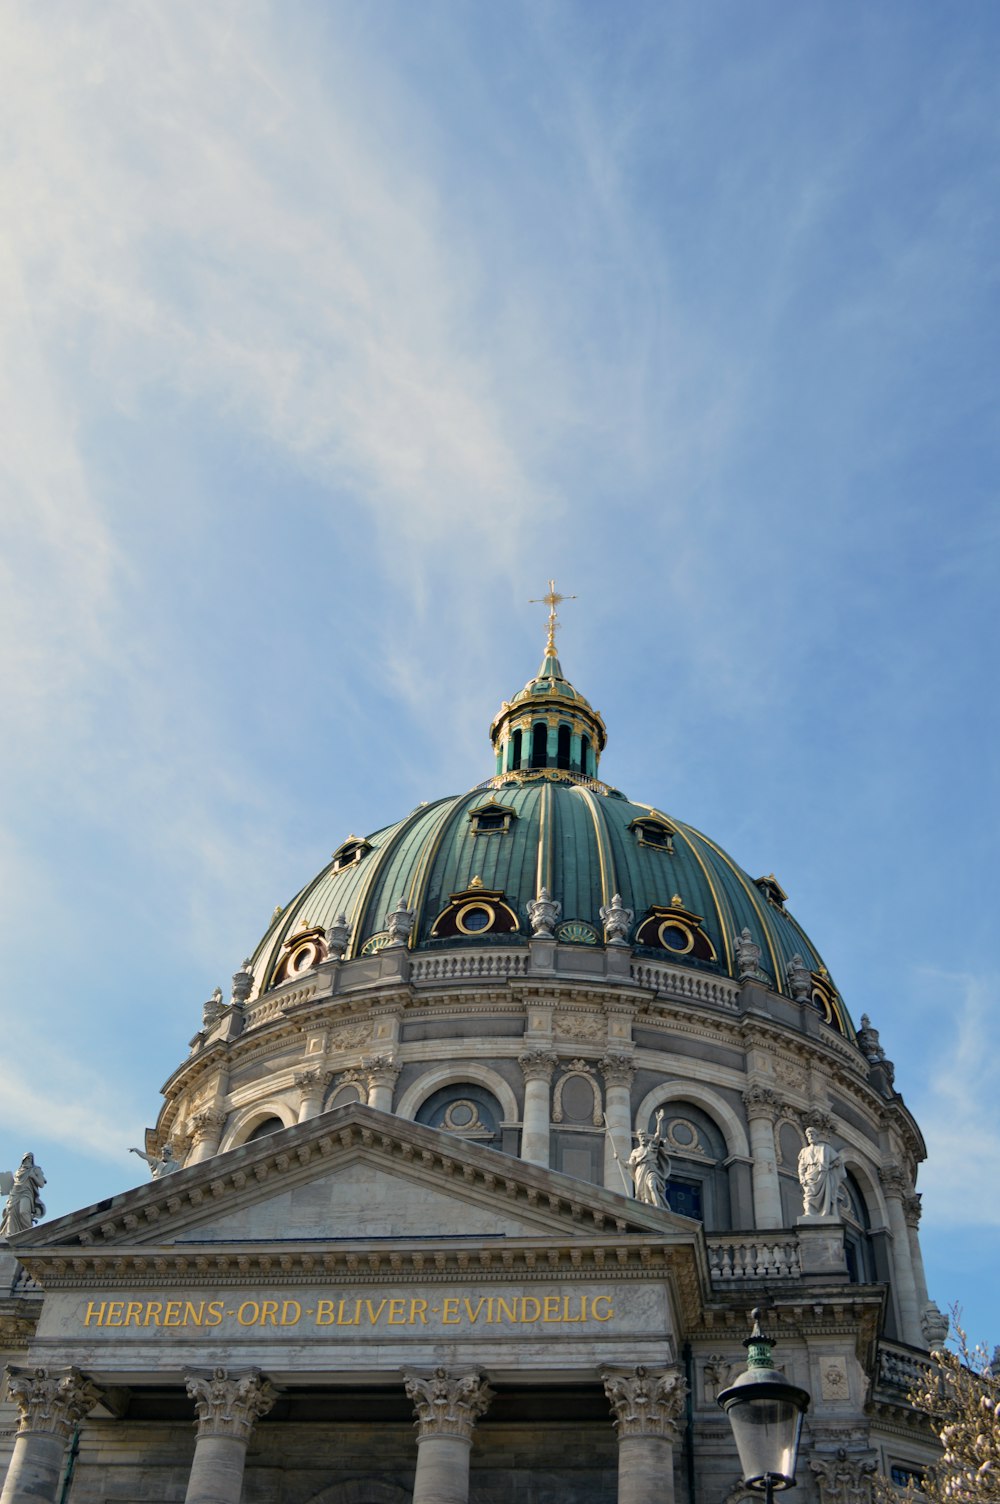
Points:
475	918
676	937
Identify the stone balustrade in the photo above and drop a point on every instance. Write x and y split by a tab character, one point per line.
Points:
739	1257
900	1368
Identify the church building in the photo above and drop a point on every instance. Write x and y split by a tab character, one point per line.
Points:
467	1191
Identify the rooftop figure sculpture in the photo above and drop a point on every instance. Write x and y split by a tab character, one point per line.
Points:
24	1205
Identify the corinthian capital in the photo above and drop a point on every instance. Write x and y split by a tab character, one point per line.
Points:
645	1402
761	1102
447	1404
619	1070
912	1209
846	1478
207	1123
537	1065
382	1070
893	1178
229	1404
51	1399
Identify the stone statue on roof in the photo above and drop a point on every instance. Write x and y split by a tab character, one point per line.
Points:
24	1205
160	1164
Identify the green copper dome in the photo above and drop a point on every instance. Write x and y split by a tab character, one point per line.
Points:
461	871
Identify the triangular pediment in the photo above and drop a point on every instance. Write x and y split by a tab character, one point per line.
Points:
354	1174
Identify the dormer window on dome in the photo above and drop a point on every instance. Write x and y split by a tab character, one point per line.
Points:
491	818
350	851
772	890
477	911
677	930
653	830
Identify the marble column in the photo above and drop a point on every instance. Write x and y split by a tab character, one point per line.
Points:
648	1410
894	1185
537	1066
228	1405
312	1084
50	1402
911	1213
206	1131
762	1107
383	1073
618	1072
447	1406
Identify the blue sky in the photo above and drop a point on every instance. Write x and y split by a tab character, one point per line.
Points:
331	331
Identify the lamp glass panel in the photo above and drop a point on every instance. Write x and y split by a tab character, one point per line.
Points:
767	1437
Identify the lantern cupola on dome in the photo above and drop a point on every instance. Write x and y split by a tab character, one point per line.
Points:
548	726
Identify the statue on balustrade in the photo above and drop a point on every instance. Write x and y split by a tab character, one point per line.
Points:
24	1204
821	1176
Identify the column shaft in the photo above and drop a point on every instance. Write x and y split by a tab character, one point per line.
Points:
645	1470
35	1469
618	1110
764	1172
217	1470
442	1470
535	1130
902	1267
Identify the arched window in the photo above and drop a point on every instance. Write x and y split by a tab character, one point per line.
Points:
857	1233
539	744
514	760
562	749
269	1125
585	754
698	1185
466	1109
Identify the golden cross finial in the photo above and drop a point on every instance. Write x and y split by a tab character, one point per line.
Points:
552	600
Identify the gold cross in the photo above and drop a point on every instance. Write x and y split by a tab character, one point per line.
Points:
552	600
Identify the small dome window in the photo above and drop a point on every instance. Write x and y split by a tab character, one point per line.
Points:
301	952
676	930
477	911
772	890
653	830
350	851
491	819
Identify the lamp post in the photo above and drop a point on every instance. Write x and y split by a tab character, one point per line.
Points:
765	1412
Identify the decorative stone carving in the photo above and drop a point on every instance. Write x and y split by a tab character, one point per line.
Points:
934	1324
24	1205
893	1178
447	1404
790	1073
644	1402
160	1164
718	1372
868	1040
618	1070
912	1209
581	1069
649	1166
350	1037
51	1399
818	1119
537	1065
213	1010
543	915
617	921
207	1123
833	1381
338	937
381	1070
762	1102
588	1026
845	1478
229	1404
748	954
399	923
799	979
242	983
821	1175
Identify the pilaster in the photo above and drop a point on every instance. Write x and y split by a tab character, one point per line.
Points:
537	1066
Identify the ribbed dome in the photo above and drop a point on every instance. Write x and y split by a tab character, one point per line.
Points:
466	867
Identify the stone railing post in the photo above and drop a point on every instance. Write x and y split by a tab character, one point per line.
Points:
206	1131
448	1406
894	1185
618	1071
383	1073
312	1084
762	1107
537	1066
50	1402
648	1408
228	1406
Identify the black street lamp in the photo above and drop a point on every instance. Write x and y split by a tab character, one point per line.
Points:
765	1412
